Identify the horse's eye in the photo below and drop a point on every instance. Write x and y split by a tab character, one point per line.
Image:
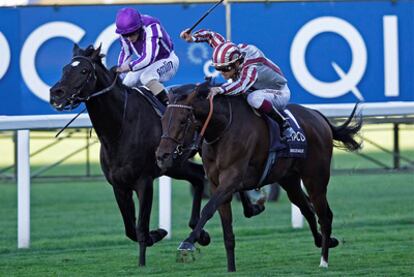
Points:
84	71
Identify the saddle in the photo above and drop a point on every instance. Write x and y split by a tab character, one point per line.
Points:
158	107
294	148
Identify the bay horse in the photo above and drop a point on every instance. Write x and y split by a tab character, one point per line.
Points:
129	130
235	151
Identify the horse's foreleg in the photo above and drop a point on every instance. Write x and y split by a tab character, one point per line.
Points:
126	206
194	173
146	238
228	235
216	199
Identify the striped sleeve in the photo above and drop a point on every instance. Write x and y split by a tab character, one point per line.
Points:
248	76
125	53
151	48
212	38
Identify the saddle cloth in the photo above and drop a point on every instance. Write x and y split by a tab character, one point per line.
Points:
294	148
152	100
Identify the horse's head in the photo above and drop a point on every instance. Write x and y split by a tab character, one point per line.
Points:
180	126
79	79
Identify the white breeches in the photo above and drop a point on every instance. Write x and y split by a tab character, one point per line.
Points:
278	98
161	71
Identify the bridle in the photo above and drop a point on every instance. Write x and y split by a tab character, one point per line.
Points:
91	74
75	96
198	136
180	149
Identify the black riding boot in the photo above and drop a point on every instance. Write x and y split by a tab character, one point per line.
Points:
162	97
286	130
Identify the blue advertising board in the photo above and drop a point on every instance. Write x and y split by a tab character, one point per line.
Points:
335	52
330	52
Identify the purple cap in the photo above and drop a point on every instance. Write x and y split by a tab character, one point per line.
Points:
128	20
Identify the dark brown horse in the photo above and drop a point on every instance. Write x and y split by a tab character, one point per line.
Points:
234	155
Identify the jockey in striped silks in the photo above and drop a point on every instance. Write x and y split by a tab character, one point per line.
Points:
248	72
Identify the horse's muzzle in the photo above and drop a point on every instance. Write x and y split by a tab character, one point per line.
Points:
164	160
57	97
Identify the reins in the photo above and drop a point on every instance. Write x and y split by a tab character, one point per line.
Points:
225	129
210	114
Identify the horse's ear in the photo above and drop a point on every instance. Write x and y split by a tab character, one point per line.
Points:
96	54
76	49
202	91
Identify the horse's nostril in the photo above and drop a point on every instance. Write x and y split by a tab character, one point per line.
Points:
162	157
58	93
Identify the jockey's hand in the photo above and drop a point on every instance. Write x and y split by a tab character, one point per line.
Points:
123	68
214	91
186	35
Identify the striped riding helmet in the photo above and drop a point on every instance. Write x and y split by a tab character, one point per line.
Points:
226	54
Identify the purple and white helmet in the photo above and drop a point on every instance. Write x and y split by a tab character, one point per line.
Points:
226	54
128	20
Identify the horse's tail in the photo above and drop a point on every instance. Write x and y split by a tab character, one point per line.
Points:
343	135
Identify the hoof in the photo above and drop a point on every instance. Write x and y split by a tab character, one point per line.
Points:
323	264
204	238
157	235
187	253
256	209
333	242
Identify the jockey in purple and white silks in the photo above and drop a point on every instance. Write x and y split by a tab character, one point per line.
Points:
249	72
147	52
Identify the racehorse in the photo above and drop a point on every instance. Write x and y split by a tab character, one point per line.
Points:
129	130
234	154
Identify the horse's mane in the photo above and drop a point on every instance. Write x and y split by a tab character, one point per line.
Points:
181	92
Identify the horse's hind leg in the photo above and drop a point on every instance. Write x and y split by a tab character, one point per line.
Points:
317	189
126	206
298	197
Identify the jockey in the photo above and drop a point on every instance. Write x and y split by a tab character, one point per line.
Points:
147	53
248	72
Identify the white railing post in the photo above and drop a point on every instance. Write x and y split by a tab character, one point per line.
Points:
23	189
165	204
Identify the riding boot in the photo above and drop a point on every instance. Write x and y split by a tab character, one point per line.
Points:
286	130
162	97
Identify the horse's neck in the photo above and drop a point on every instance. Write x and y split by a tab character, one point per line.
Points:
107	111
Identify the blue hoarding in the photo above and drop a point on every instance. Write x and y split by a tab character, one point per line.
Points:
330	52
